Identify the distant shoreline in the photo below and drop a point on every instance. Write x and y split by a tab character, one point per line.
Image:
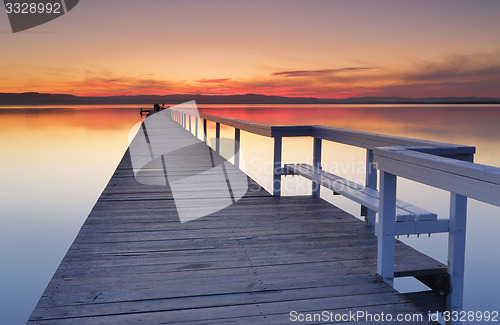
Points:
32	98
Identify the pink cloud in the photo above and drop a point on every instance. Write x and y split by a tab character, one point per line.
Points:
316	73
216	81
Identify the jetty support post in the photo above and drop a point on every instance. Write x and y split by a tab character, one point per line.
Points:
387	227
316	187
278	143
196	118
205	130
217	137
237	147
370	182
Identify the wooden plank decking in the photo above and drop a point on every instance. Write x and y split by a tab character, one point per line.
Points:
251	263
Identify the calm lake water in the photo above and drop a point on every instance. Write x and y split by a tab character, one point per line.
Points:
56	161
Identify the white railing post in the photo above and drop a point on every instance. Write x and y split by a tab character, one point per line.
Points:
387	227
196	118
370	182
189	116
237	147
456	252
217	137
316	187
278	141
205	130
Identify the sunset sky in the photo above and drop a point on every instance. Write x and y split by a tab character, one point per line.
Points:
329	49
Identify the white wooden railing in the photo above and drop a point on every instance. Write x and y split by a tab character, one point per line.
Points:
445	166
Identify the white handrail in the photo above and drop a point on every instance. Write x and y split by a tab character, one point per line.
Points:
480	182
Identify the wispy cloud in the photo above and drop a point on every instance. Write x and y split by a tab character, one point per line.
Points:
317	73
454	75
104	85
216	81
456	68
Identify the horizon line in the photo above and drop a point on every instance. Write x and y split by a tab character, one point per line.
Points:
248	94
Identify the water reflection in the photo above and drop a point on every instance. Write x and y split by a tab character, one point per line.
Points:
56	161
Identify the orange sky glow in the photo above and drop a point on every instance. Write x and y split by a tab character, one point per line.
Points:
325	49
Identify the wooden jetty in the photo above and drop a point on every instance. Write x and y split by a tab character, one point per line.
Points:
260	260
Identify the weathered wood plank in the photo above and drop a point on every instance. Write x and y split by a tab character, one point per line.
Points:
249	308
